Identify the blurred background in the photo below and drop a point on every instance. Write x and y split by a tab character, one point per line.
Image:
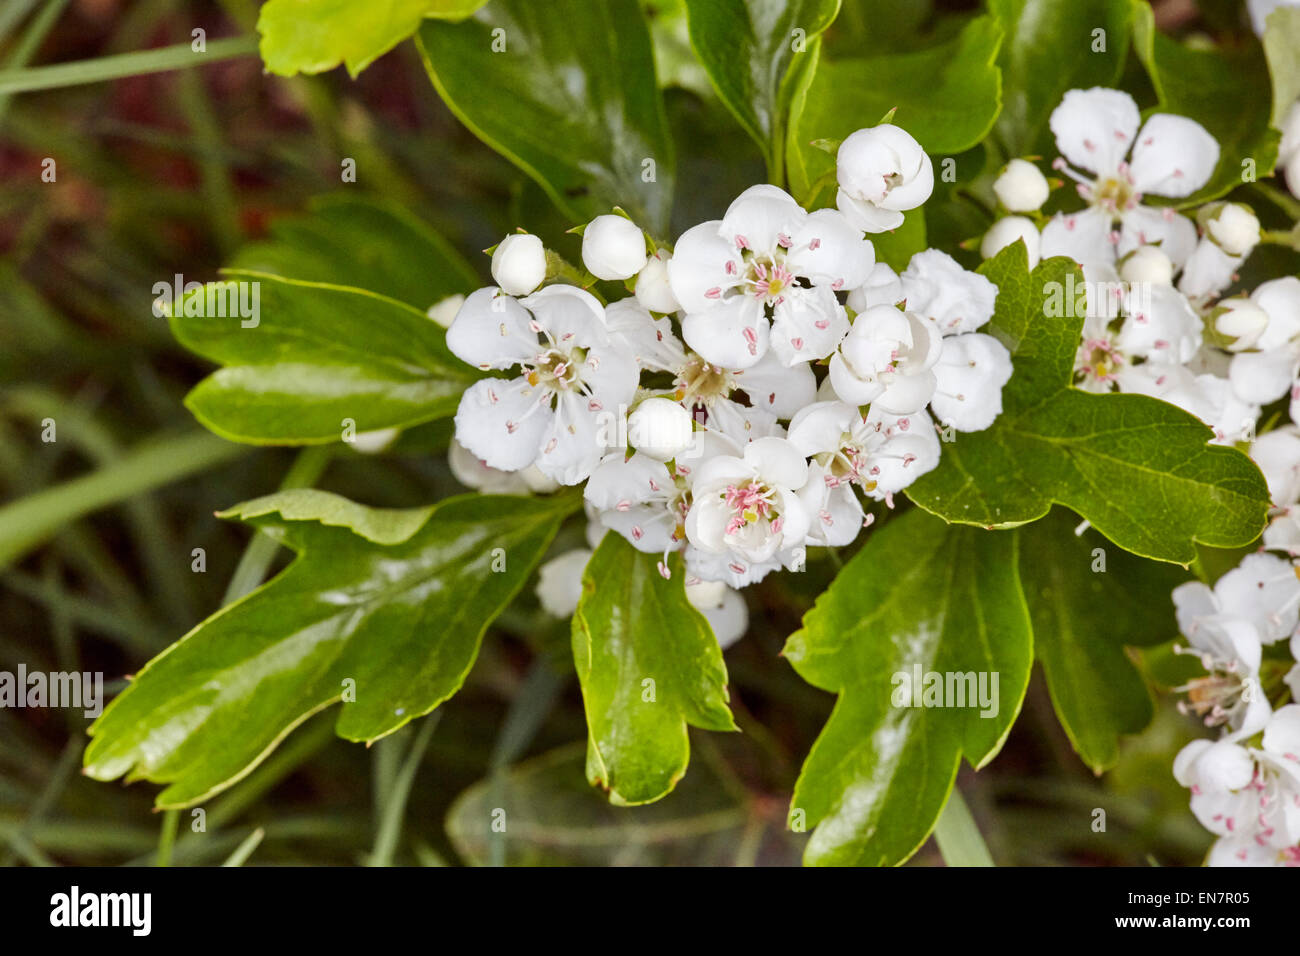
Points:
171	173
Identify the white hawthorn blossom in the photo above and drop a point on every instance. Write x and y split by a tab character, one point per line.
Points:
1117	166
766	275
882	172
570	372
746	517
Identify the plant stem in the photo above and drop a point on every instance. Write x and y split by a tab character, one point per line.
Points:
122	65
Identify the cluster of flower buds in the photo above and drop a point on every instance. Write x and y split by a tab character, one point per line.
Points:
764	383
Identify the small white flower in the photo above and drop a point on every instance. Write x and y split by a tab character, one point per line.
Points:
1277	453
882	171
653	290
570	375
937	287
883	286
879	453
887	360
613	248
1021	186
660	428
747	510
767	272
444	310
650	340
1010	229
1172	156
559	583
969	376
1230	650
1208	271
1265	375
519	264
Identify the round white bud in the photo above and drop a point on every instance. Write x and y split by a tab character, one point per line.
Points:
444	310
660	428
652	288
1021	187
1147	264
1292	173
613	248
1006	231
1241	320
1234	228
519	264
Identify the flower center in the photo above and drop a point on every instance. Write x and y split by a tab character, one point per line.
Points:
557	370
750	503
699	383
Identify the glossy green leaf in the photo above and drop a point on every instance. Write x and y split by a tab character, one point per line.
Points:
389	629
649	665
920	597
1224	91
1053	46
1282	49
1087	601
566	91
364	243
311	36
554	819
319	355
380	525
752	50
947	96
1137	468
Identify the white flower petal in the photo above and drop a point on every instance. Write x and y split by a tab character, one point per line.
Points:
1095	128
1174	156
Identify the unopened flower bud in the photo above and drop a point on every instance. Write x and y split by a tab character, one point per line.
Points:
1021	187
653	290
519	264
559	582
613	248
1231	226
1006	231
1147	264
660	428
1241	321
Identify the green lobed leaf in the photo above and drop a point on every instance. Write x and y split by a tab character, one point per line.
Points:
1282	49
1137	468
566	91
1051	47
311	36
649	665
750	49
319	354
365	243
1087	602
1224	91
403	621
920	595
947	96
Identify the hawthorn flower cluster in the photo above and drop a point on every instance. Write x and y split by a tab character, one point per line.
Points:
1163	316
764	382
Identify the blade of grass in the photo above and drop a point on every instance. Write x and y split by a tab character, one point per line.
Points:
958	837
245	849
30	520
390	827
122	65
